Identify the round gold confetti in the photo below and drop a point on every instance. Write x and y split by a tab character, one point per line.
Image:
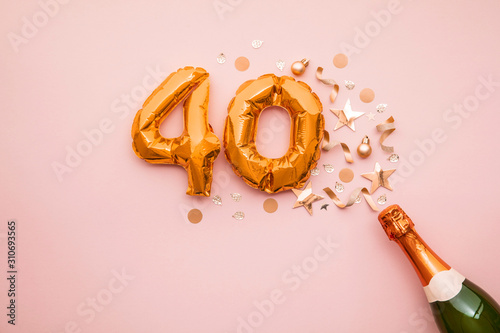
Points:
242	64
340	60
346	175
367	95
195	216
270	205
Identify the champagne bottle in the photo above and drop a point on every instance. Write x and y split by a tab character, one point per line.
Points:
458	305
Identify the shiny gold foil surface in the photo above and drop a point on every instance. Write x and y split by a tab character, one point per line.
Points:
307	124
197	147
400	228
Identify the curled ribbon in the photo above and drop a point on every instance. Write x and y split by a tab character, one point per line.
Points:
352	198
328	145
387	127
328	82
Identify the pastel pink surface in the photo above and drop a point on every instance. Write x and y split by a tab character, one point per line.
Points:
116	213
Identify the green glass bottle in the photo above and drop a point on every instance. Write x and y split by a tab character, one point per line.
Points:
458	305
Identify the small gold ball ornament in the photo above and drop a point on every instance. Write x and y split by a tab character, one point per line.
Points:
299	67
364	149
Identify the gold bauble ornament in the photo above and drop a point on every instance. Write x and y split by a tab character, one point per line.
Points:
299	67
364	149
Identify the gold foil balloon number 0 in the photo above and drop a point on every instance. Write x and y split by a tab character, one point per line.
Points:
198	147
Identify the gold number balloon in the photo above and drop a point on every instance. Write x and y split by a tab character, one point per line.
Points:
197	147
304	107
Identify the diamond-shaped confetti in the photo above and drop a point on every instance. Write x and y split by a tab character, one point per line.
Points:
280	64
382	199
339	187
381	108
221	58
349	84
358	199
394	158
239	215
315	172
257	43
217	200
235	196
328	168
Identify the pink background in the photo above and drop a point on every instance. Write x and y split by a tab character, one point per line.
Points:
115	212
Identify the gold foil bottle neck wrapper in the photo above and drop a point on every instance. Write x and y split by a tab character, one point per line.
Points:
400	228
395	222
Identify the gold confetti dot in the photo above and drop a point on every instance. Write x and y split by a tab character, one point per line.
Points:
195	216
242	64
270	205
367	95
340	60
346	175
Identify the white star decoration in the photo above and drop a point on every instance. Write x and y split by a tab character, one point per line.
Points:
371	116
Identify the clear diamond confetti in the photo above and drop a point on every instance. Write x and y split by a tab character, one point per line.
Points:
339	187
239	215
394	158
235	196
315	172
382	199
221	58
381	108
349	84
257	43
280	64
358	199
328	168
217	200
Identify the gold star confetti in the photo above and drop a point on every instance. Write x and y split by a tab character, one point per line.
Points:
346	116
379	178
371	116
305	198
325	206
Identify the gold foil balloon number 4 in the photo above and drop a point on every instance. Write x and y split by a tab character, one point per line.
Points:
197	147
